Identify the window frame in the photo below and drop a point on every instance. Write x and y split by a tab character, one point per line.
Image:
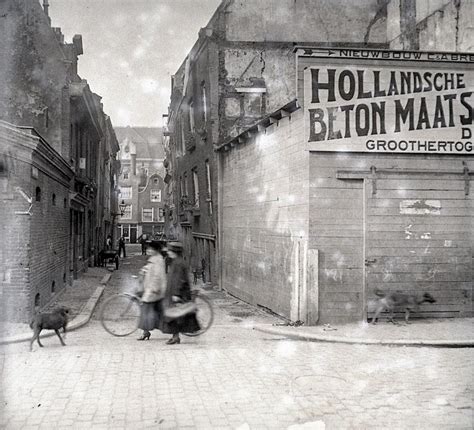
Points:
126	212
195	187
126	197
155	200
152	214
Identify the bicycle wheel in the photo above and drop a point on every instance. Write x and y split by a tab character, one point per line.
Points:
204	314
120	315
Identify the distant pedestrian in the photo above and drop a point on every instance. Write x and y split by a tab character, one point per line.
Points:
143	241
178	290
154	288
203	268
121	249
108	242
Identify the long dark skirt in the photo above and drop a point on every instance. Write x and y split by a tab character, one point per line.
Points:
186	324
151	316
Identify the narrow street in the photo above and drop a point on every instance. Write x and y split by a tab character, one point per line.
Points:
230	377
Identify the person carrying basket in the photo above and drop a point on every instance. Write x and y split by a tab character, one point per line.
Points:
179	309
154	290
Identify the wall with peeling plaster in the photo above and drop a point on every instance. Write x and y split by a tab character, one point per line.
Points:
33	70
257	63
302	20
264	214
438	25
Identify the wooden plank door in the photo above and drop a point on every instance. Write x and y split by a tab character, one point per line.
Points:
419	237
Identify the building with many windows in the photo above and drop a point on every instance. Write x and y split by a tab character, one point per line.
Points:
141	183
57	162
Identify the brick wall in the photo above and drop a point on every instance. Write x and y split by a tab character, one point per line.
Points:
34	74
34	247
14	257
48	239
264	216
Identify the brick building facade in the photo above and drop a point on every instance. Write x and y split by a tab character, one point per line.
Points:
35	221
240	68
69	171
141	185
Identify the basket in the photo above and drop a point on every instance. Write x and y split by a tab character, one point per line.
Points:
178	310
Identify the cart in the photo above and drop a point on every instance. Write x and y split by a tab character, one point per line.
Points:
109	256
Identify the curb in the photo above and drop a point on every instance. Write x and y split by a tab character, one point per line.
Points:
79	321
313	337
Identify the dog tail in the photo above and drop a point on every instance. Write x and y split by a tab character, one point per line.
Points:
379	293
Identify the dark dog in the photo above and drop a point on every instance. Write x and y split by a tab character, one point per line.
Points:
391	300
50	321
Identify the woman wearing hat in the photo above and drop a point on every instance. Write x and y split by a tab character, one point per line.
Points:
178	289
154	289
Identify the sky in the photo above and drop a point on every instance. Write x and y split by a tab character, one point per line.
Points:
131	49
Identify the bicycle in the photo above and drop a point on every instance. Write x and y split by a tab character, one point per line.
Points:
120	314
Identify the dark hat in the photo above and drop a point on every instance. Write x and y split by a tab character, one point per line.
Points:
157	245
175	246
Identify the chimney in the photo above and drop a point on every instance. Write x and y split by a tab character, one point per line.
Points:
46	9
133	158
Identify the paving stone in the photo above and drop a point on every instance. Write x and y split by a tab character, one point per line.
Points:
232	376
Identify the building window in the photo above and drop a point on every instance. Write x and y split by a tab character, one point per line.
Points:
38	194
161	215
125	175
53	287
204	101
53	199
155	196
191	116
185	185
183	140
126	192
127	213
196	188
147	215
209	189
65	203
155	181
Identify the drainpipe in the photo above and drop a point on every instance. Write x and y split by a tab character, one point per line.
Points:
220	182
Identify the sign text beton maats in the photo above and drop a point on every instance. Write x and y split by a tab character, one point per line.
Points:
389	109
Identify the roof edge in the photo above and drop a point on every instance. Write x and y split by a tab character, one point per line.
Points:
260	125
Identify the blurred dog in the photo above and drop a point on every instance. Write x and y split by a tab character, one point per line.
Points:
55	320
391	300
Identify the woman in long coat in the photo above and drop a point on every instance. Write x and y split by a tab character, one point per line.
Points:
154	289
178	289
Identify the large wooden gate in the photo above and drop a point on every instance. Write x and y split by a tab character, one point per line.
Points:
419	235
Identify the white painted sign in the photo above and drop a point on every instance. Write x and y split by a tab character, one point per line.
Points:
420	207
409	107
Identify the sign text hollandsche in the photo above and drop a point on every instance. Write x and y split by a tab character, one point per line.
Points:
389	109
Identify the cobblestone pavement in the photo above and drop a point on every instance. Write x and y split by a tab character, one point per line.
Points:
230	377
